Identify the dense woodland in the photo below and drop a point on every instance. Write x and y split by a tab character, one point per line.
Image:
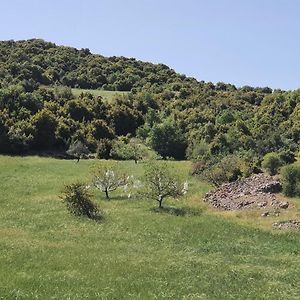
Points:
174	115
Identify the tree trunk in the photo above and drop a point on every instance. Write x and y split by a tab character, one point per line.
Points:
78	158
160	199
106	194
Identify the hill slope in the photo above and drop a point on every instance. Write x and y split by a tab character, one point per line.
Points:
176	116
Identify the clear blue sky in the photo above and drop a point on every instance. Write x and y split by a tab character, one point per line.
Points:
244	42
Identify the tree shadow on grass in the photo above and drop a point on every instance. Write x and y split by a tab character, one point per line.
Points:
178	211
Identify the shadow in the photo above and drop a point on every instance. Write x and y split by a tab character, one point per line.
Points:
178	211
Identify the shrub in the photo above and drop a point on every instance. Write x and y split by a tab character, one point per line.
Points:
272	162
79	201
228	169
198	167
287	156
104	147
198	151
290	175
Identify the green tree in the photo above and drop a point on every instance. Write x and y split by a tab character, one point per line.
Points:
161	182
272	162
45	124
168	140
290	176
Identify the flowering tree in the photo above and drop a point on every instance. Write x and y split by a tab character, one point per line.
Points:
161	182
108	178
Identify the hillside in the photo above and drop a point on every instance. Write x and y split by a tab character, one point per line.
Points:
176	116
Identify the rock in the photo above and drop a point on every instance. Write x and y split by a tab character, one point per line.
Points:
287	224
262	204
252	192
283	205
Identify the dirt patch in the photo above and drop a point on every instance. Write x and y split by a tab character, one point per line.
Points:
256	191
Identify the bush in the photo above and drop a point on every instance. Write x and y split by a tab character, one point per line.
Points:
228	169
272	162
104	147
287	156
79	202
291	180
197	168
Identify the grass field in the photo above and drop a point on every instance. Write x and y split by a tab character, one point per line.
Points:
106	95
135	253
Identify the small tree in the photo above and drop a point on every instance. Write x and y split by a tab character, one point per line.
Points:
227	169
108	178
290	175
133	149
272	162
78	200
77	149
161	182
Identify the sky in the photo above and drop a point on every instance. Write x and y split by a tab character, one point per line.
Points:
242	42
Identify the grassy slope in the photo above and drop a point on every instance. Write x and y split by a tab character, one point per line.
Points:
135	253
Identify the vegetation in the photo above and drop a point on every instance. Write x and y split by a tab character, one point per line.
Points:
291	180
77	149
271	162
135	254
108	178
78	201
58	100
176	116
161	182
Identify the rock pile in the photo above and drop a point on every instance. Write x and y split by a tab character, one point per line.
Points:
252	192
287	224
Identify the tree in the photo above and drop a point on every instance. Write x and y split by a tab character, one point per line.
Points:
290	176
108	178
77	149
78	200
45	123
167	139
271	162
133	149
161	182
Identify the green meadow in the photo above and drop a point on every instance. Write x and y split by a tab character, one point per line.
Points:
189	251
106	95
